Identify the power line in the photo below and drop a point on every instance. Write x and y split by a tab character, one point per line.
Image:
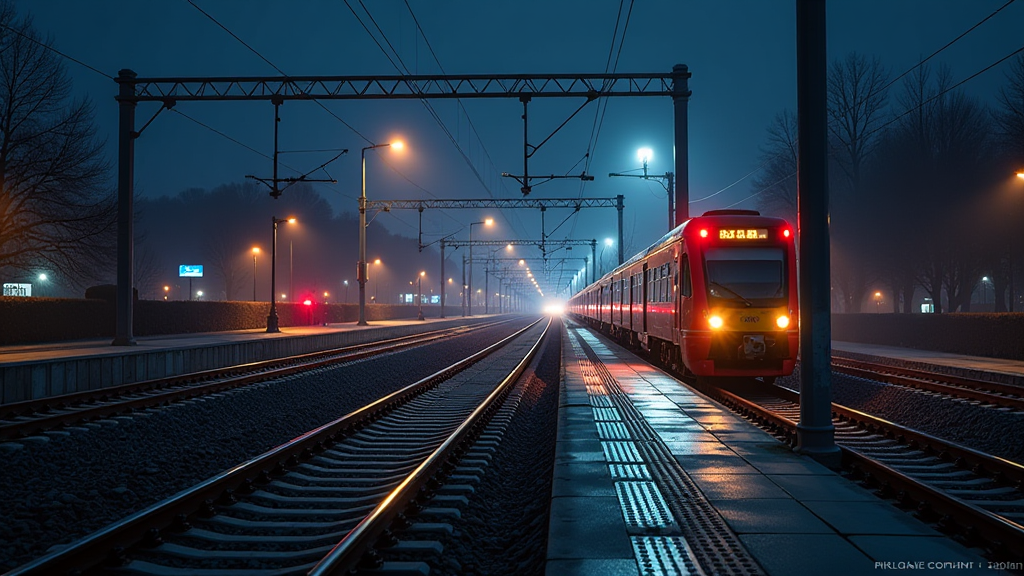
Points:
58	52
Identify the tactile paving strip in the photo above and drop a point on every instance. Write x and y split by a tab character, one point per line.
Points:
606	415
715	546
612	431
643	506
629	472
664	556
621	452
600	402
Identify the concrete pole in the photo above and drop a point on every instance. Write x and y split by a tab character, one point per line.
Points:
618	207
361	265
123	335
444	287
680	101
815	433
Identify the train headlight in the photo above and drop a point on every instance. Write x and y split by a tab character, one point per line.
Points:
782	321
715	322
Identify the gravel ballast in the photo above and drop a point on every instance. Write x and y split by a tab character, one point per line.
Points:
999	432
70	483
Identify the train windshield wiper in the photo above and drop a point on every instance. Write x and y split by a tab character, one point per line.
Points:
733	292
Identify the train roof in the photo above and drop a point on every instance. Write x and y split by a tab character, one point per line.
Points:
674	235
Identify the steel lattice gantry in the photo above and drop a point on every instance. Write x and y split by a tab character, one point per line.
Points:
168	91
445	243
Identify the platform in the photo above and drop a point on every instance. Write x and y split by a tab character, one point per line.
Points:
29	372
979	367
736	501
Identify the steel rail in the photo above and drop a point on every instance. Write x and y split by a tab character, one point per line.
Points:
350	550
146	525
162	391
1004	534
995	393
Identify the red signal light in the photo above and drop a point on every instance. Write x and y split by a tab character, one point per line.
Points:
307	302
785	232
703	233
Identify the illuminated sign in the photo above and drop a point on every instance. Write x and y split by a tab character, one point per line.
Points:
21	290
190	271
743	234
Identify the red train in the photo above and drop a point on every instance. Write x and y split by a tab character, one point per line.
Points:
717	295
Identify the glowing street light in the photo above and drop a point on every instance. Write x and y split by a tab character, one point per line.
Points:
485	222
272	319
419	294
361	267
255	251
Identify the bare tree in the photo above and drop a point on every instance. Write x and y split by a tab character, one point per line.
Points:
857	100
1009	117
56	209
777	180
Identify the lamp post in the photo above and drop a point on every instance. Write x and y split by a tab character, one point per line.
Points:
607	243
469	284
345	282
255	251
361	266
878	302
272	319
984	289
419	294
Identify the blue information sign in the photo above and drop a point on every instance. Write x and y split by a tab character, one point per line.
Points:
190	271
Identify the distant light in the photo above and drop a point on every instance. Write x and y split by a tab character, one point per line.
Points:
199	293
509	247
522	262
292	220
983	278
1020	174
878	294
377	261
345	282
703	233
167	288
488	221
449	280
645	154
326	294
307	302
608	242
42	278
553	309
255	250
397	145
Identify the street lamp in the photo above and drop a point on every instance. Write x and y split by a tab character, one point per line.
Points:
255	251
607	243
326	295
419	294
199	295
984	289
167	290
361	267
878	302
469	284
667	180
345	282
272	319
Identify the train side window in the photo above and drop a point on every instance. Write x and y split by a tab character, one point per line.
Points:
687	286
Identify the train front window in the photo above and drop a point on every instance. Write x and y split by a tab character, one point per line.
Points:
745	274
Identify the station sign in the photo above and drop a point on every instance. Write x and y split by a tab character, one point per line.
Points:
18	290
190	271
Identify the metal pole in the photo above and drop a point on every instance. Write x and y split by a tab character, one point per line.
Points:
593	254
618	207
487	290
469	298
254	277
361	265
680	100
419	296
444	287
670	187
272	319
291	269
125	208
463	286
814	431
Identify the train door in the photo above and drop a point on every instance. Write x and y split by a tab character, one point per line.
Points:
644	295
685	293
632	298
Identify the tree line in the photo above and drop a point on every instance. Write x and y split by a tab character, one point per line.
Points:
921	182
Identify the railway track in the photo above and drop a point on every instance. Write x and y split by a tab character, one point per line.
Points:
324	502
967	492
985	391
21	419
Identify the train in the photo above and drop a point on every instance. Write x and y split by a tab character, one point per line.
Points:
715	297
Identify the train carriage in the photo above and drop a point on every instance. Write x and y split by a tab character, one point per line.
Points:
717	295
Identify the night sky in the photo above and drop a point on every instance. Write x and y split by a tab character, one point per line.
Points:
741	56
